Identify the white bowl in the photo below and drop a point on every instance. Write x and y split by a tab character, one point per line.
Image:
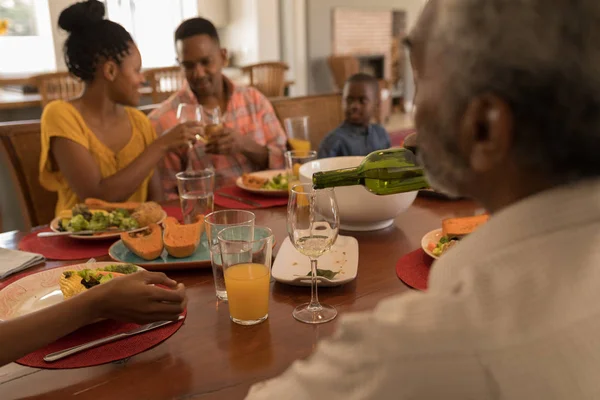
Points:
360	210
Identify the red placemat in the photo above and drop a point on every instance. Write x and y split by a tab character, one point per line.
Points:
109	352
63	247
264	201
413	269
174	211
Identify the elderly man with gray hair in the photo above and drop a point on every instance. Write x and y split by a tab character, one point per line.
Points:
508	112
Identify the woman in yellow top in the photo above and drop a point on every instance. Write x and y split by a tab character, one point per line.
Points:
98	145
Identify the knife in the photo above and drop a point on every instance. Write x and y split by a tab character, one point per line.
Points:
113	338
240	199
67	233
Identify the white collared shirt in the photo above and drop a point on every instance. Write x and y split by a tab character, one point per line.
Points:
513	312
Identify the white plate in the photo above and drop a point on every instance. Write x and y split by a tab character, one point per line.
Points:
101	236
267	175
291	267
431	237
37	291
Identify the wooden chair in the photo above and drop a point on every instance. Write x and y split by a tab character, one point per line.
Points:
164	82
57	86
20	146
325	112
268	77
342	68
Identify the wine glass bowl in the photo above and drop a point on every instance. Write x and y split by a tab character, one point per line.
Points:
313	226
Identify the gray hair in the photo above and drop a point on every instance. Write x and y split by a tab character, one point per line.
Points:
543	58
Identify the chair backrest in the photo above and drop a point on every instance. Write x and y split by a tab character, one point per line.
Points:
21	146
342	68
324	112
164	82
267	77
57	86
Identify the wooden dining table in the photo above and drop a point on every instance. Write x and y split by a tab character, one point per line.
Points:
210	357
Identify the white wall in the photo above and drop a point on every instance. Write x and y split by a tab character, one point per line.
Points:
55	7
253	33
293	39
241	36
25	55
320	27
268	30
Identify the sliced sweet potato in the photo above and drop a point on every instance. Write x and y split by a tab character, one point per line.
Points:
147	244
182	240
97	204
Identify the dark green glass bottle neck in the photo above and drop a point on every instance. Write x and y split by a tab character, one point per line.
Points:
339	177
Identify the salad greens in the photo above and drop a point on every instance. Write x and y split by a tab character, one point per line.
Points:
443	245
83	219
278	182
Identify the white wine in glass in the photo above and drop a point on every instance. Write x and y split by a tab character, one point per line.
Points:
185	113
313	223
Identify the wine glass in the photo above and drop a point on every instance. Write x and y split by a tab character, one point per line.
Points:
185	113
313	223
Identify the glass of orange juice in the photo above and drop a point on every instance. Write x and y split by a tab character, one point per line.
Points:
293	161
246	255
297	132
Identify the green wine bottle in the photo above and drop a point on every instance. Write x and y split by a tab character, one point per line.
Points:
381	172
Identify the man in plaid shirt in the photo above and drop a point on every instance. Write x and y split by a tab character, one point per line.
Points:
252	138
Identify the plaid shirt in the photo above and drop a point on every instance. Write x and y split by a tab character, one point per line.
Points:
248	112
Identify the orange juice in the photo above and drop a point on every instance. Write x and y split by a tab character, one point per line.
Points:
299	145
248	291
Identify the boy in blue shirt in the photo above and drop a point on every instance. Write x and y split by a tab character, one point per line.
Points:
357	136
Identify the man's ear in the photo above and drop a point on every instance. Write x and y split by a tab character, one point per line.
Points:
110	70
487	133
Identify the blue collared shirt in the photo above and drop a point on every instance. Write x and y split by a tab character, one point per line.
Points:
352	140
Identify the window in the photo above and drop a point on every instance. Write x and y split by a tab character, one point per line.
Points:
152	24
28	27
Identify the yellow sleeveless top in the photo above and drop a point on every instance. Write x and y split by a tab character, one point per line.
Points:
61	119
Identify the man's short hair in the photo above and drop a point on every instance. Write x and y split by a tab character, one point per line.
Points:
196	26
369	80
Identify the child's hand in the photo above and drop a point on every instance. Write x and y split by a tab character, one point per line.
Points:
134	298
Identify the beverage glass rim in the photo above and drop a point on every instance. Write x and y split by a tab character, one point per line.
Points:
301	153
301	117
251	217
220	238
310	187
195	175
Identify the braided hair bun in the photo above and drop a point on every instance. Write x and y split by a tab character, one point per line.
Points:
91	38
80	16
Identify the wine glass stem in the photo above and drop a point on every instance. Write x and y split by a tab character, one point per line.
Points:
190	155
314	297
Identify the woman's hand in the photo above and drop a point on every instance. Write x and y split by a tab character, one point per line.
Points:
181	135
135	298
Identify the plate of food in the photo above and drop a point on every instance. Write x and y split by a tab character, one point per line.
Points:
267	183
177	246
336	267
45	288
97	215
439	241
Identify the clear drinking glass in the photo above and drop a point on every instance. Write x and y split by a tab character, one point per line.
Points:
214	123
196	193
297	132
246	253
185	113
313	223
215	222
293	162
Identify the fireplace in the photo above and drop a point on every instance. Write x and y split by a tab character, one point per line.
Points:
373	65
